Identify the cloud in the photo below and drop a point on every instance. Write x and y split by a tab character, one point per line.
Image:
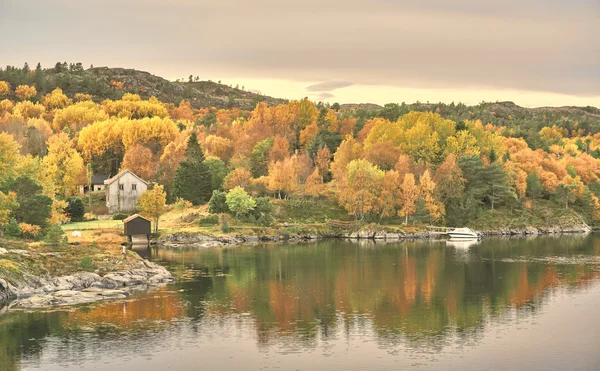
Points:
534	45
323	96
328	86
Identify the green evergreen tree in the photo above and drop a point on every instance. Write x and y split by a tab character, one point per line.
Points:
217	170
534	186
193	179
39	79
34	207
75	209
259	158
218	203
498	190
12	229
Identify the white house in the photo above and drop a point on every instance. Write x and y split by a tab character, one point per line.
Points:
97	183
123	191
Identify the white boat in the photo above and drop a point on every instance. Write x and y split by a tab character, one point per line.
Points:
463	234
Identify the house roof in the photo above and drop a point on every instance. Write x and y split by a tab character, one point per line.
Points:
135	216
120	174
100	178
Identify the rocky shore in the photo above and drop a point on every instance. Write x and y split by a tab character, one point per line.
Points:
83	287
199	240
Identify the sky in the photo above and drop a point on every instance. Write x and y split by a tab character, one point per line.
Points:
531	52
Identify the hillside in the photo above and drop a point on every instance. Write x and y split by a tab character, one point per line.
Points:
111	83
508	114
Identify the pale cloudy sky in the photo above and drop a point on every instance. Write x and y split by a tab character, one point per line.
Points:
533	52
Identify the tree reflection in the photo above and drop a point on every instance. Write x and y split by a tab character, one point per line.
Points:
421	294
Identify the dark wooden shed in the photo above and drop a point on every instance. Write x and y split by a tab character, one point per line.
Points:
137	225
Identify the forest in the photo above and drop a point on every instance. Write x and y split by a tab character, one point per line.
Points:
401	164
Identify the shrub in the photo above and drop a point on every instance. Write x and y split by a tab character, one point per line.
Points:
224	226
86	264
182	204
55	235
265	220
75	209
119	216
189	218
30	231
263	207
239	201
218	202
12	229
90	216
211	219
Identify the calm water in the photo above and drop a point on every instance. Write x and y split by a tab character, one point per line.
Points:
521	304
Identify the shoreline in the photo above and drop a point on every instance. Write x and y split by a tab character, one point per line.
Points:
203	240
32	291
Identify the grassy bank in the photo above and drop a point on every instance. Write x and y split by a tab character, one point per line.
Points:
38	259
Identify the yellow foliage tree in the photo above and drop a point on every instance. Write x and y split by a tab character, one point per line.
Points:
24	92
152	204
140	160
409	193
4	88
56	99
348	150
314	184
28	110
8	202
78	115
62	169
283	176
427	192
360	192
9	156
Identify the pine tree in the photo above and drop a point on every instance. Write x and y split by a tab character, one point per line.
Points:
534	186
193	178
498	190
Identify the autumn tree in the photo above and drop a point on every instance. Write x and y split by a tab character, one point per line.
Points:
283	176
8	203
24	92
239	177
314	184
280	149
152	204
449	179
56	99
9	155
4	89
360	193
140	160
348	151
427	191
62	169
322	161
391	196
193	179
409	193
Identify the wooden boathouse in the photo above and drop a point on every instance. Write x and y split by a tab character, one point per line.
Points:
138	227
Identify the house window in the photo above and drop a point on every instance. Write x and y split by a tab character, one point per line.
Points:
121	187
134	187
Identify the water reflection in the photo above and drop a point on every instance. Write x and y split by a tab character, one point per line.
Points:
421	295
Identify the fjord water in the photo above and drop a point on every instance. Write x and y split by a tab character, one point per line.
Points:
503	304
